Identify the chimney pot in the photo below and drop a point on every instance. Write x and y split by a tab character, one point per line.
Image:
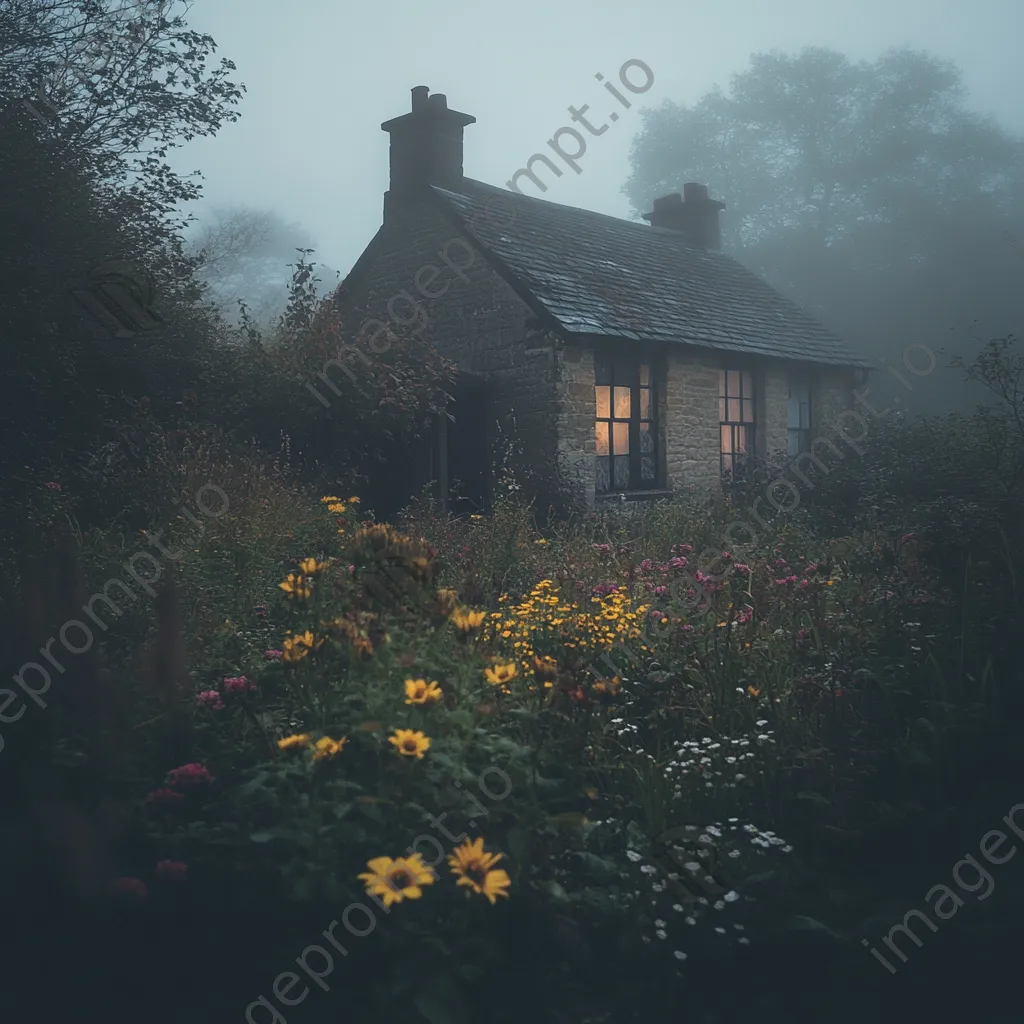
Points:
426	145
692	214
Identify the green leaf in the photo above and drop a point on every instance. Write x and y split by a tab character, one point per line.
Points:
441	1002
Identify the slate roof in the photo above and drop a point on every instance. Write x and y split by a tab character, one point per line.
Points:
599	275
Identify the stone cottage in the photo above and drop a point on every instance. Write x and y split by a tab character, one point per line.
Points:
632	359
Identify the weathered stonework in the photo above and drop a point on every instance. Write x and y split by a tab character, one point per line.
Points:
772	411
689	418
576	413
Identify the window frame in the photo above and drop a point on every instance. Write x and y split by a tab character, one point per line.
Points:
625	371
745	394
801	432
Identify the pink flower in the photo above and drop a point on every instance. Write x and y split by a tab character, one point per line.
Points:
260	610
787	579
189	775
272	655
238	684
687	628
130	886
210	699
164	796
725	554
685	549
660	591
742	568
656	615
804	583
351	570
52	485
802	636
781	563
173	870
745	615
647	565
678	562
603	549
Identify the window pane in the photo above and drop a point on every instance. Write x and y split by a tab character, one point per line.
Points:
623	403
805	415
645	403
620	438
726	440
601	440
621	466
602	370
647	464
734	410
742	439
604	482
604	402
721	410
645	375
793	442
732	383
748	385
748	410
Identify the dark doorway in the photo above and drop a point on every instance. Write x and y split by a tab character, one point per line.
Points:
468	448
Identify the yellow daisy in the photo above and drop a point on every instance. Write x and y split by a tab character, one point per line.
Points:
299	739
295	648
499	675
466	620
419	691
296	586
326	747
474	869
394	880
410	743
310	566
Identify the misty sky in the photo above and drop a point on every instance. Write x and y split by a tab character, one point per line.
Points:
322	76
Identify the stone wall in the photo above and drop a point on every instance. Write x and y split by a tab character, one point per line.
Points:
419	270
577	412
690	420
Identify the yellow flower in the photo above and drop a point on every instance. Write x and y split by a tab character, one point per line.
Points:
310	566
330	497
295	648
336	507
447	600
545	669
754	692
296	586
398	879
419	691
541	542
326	747
501	674
476	517
466	620
474	869
410	743
353	501
299	739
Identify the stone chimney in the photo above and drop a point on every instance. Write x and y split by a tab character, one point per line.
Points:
426	144
691	213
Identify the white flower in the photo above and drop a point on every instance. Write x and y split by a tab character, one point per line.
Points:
661	934
743	940
633	855
691	920
679	954
721	931
731	896
678	907
659	923
648	869
719	905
